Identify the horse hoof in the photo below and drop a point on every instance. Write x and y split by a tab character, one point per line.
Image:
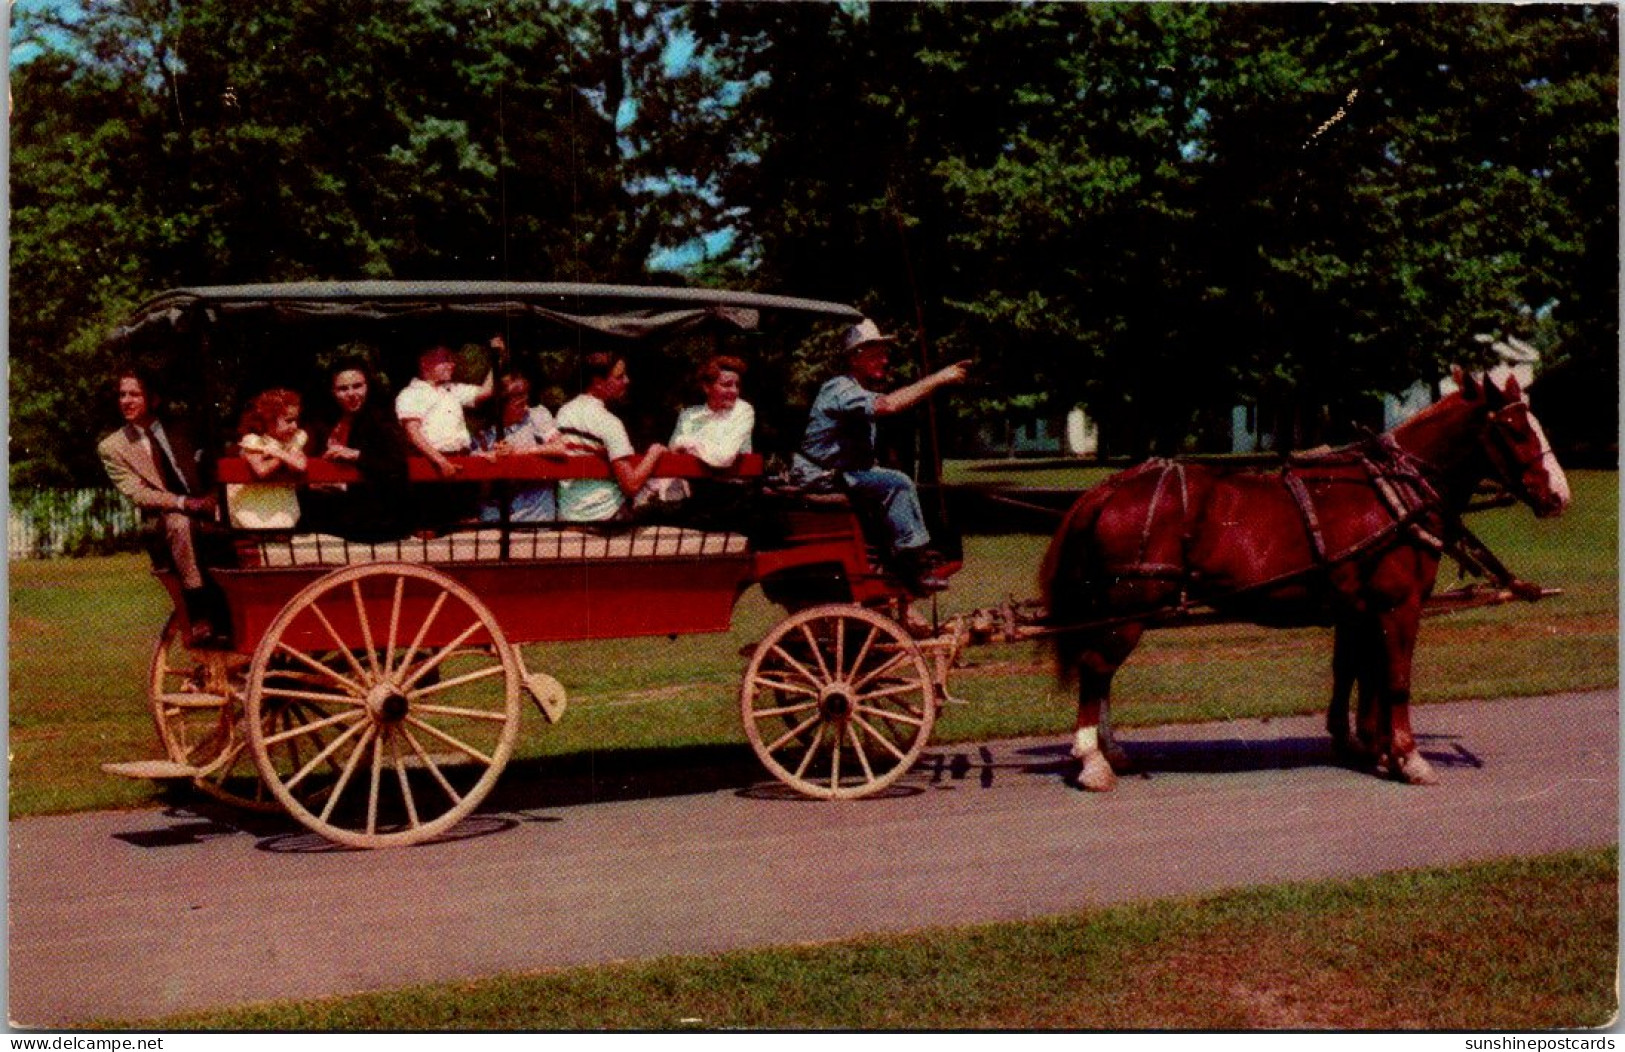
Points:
1414	770
1097	775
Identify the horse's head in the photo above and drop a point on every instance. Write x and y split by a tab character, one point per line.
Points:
1518	451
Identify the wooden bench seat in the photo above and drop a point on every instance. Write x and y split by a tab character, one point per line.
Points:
485	545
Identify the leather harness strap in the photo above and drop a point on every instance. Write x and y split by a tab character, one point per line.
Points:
1177	469
1306	508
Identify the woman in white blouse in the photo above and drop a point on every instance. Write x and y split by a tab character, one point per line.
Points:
718	431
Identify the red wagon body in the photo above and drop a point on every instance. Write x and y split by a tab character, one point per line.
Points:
373	689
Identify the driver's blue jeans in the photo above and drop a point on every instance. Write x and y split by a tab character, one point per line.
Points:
894	494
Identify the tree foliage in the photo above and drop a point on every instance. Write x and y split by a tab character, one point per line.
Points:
1154	210
1161	210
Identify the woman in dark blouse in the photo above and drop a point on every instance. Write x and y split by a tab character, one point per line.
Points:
365	435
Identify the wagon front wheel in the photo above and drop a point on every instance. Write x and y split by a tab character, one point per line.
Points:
383	703
838	702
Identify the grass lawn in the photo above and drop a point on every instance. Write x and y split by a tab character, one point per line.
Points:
82	630
1523	944
1424	950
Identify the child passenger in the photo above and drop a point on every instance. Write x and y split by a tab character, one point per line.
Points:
526	429
273	444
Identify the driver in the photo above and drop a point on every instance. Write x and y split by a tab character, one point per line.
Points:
838	449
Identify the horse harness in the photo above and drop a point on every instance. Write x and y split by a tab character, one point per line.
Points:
1397	478
1393	474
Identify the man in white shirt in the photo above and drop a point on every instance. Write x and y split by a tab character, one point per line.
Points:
431	408
591	428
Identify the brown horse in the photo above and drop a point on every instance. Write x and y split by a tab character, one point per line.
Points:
1349	538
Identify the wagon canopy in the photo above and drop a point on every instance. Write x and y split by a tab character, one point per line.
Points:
618	312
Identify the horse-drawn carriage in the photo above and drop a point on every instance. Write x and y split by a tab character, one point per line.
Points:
373	688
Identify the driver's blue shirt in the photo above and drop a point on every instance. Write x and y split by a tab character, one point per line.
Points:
839	449
840	432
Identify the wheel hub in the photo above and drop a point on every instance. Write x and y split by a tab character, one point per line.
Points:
835	701
387	703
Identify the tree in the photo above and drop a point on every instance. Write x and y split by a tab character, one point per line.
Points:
1156	211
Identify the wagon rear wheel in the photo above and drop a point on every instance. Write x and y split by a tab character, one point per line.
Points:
838	702
196	696
383	703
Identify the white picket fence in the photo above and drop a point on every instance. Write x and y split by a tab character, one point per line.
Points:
46	523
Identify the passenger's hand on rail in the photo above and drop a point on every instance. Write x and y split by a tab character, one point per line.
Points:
446	468
554	446
203	507
344	454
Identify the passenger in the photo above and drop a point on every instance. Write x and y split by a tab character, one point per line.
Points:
431	408
591	428
156	465
363	435
521	428
271	442
838	449
718	431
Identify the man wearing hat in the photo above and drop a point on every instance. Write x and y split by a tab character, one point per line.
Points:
838	449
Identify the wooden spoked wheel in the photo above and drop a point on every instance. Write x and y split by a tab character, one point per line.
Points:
838	702
383	702
196	697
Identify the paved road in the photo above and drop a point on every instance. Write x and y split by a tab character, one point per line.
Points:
144	913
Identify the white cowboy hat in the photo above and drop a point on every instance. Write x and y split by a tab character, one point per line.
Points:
862	334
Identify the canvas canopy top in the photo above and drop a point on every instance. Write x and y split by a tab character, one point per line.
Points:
622	313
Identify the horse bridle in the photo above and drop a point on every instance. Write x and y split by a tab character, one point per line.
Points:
1509	466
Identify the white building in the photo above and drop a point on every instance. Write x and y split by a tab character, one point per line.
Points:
1513	357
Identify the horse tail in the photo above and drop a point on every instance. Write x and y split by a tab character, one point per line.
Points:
1063	575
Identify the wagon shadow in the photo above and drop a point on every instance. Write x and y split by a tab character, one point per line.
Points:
535	789
613	775
531	790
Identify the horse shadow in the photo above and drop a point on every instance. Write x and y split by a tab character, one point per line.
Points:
1150	754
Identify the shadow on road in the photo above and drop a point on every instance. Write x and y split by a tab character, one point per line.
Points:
537	789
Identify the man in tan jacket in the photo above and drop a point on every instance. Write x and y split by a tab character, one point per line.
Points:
157	468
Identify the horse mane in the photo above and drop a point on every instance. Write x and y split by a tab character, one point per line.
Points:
1435	433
